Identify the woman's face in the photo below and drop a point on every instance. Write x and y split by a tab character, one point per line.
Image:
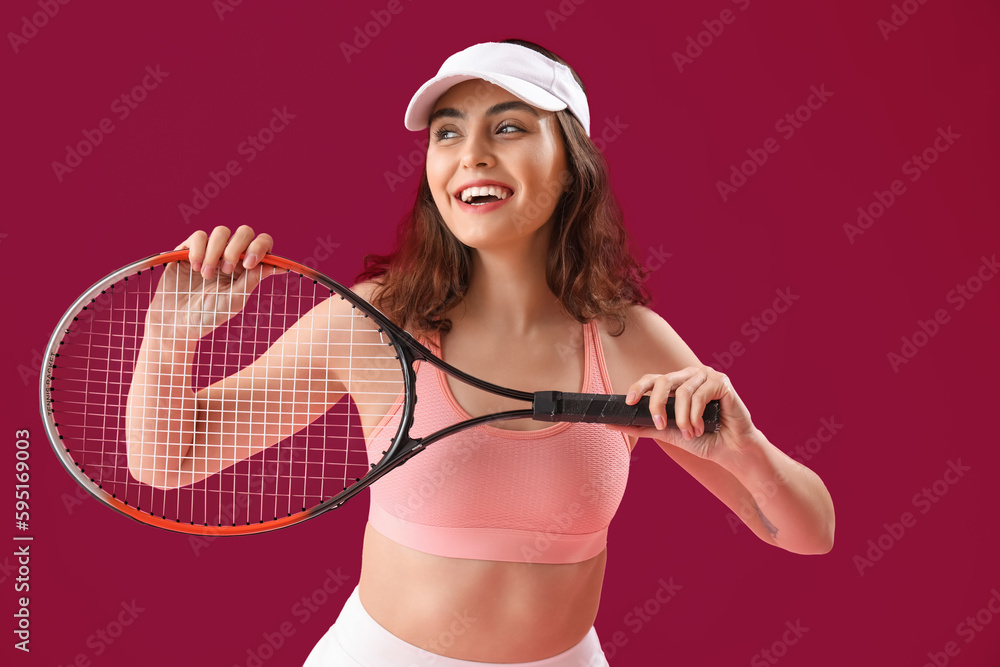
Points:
481	132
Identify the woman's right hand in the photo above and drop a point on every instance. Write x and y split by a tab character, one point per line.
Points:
220	252
195	297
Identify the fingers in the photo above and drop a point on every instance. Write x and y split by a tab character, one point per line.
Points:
641	386
689	404
196	248
259	247
657	408
690	388
237	245
658	400
213	252
221	251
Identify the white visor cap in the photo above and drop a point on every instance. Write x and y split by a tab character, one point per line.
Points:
531	76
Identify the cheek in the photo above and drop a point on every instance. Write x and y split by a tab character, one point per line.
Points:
547	186
550	167
437	182
439	199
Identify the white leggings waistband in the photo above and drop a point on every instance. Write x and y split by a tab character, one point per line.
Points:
357	640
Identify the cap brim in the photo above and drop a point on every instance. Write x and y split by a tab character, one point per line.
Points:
422	103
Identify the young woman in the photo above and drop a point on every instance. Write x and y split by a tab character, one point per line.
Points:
515	250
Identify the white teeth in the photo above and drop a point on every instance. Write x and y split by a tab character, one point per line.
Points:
495	190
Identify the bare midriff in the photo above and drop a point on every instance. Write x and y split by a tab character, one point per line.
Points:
485	611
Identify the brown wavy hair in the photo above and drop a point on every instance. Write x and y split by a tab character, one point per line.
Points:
590	266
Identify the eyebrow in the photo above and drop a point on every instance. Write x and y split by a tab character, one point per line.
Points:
512	105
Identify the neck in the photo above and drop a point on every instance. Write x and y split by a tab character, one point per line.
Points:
508	293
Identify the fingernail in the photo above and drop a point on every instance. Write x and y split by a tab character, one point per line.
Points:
196	266
249	260
698	431
227	267
687	434
658	421
207	271
630	397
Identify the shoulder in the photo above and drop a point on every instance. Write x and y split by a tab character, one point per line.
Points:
648	344
365	289
369	290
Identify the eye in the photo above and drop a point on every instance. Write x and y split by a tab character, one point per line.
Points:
508	124
440	133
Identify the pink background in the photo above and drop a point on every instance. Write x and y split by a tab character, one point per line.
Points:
670	137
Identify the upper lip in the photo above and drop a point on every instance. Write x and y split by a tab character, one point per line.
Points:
480	183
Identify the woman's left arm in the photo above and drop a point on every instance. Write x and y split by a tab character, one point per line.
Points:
784	502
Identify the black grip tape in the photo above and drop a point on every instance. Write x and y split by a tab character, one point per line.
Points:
560	406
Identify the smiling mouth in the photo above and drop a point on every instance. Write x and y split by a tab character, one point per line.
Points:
484	199
478	196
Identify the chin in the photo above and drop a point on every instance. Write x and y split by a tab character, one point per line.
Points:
496	235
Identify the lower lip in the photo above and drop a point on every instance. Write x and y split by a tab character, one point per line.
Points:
483	208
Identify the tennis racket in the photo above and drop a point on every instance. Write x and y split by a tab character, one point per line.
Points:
249	402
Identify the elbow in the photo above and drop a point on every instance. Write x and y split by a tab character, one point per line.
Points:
142	469
823	533
134	460
149	477
827	545
161	480
810	538
817	548
823	546
821	542
829	525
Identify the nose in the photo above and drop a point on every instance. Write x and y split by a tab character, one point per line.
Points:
476	151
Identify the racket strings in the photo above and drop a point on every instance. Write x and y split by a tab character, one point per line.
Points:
324	424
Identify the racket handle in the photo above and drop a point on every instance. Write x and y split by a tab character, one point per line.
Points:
561	406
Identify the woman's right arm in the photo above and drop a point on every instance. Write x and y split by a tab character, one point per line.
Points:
176	436
170	441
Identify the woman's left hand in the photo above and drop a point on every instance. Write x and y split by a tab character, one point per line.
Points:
693	387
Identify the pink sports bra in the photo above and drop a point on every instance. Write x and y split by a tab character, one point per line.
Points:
543	496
